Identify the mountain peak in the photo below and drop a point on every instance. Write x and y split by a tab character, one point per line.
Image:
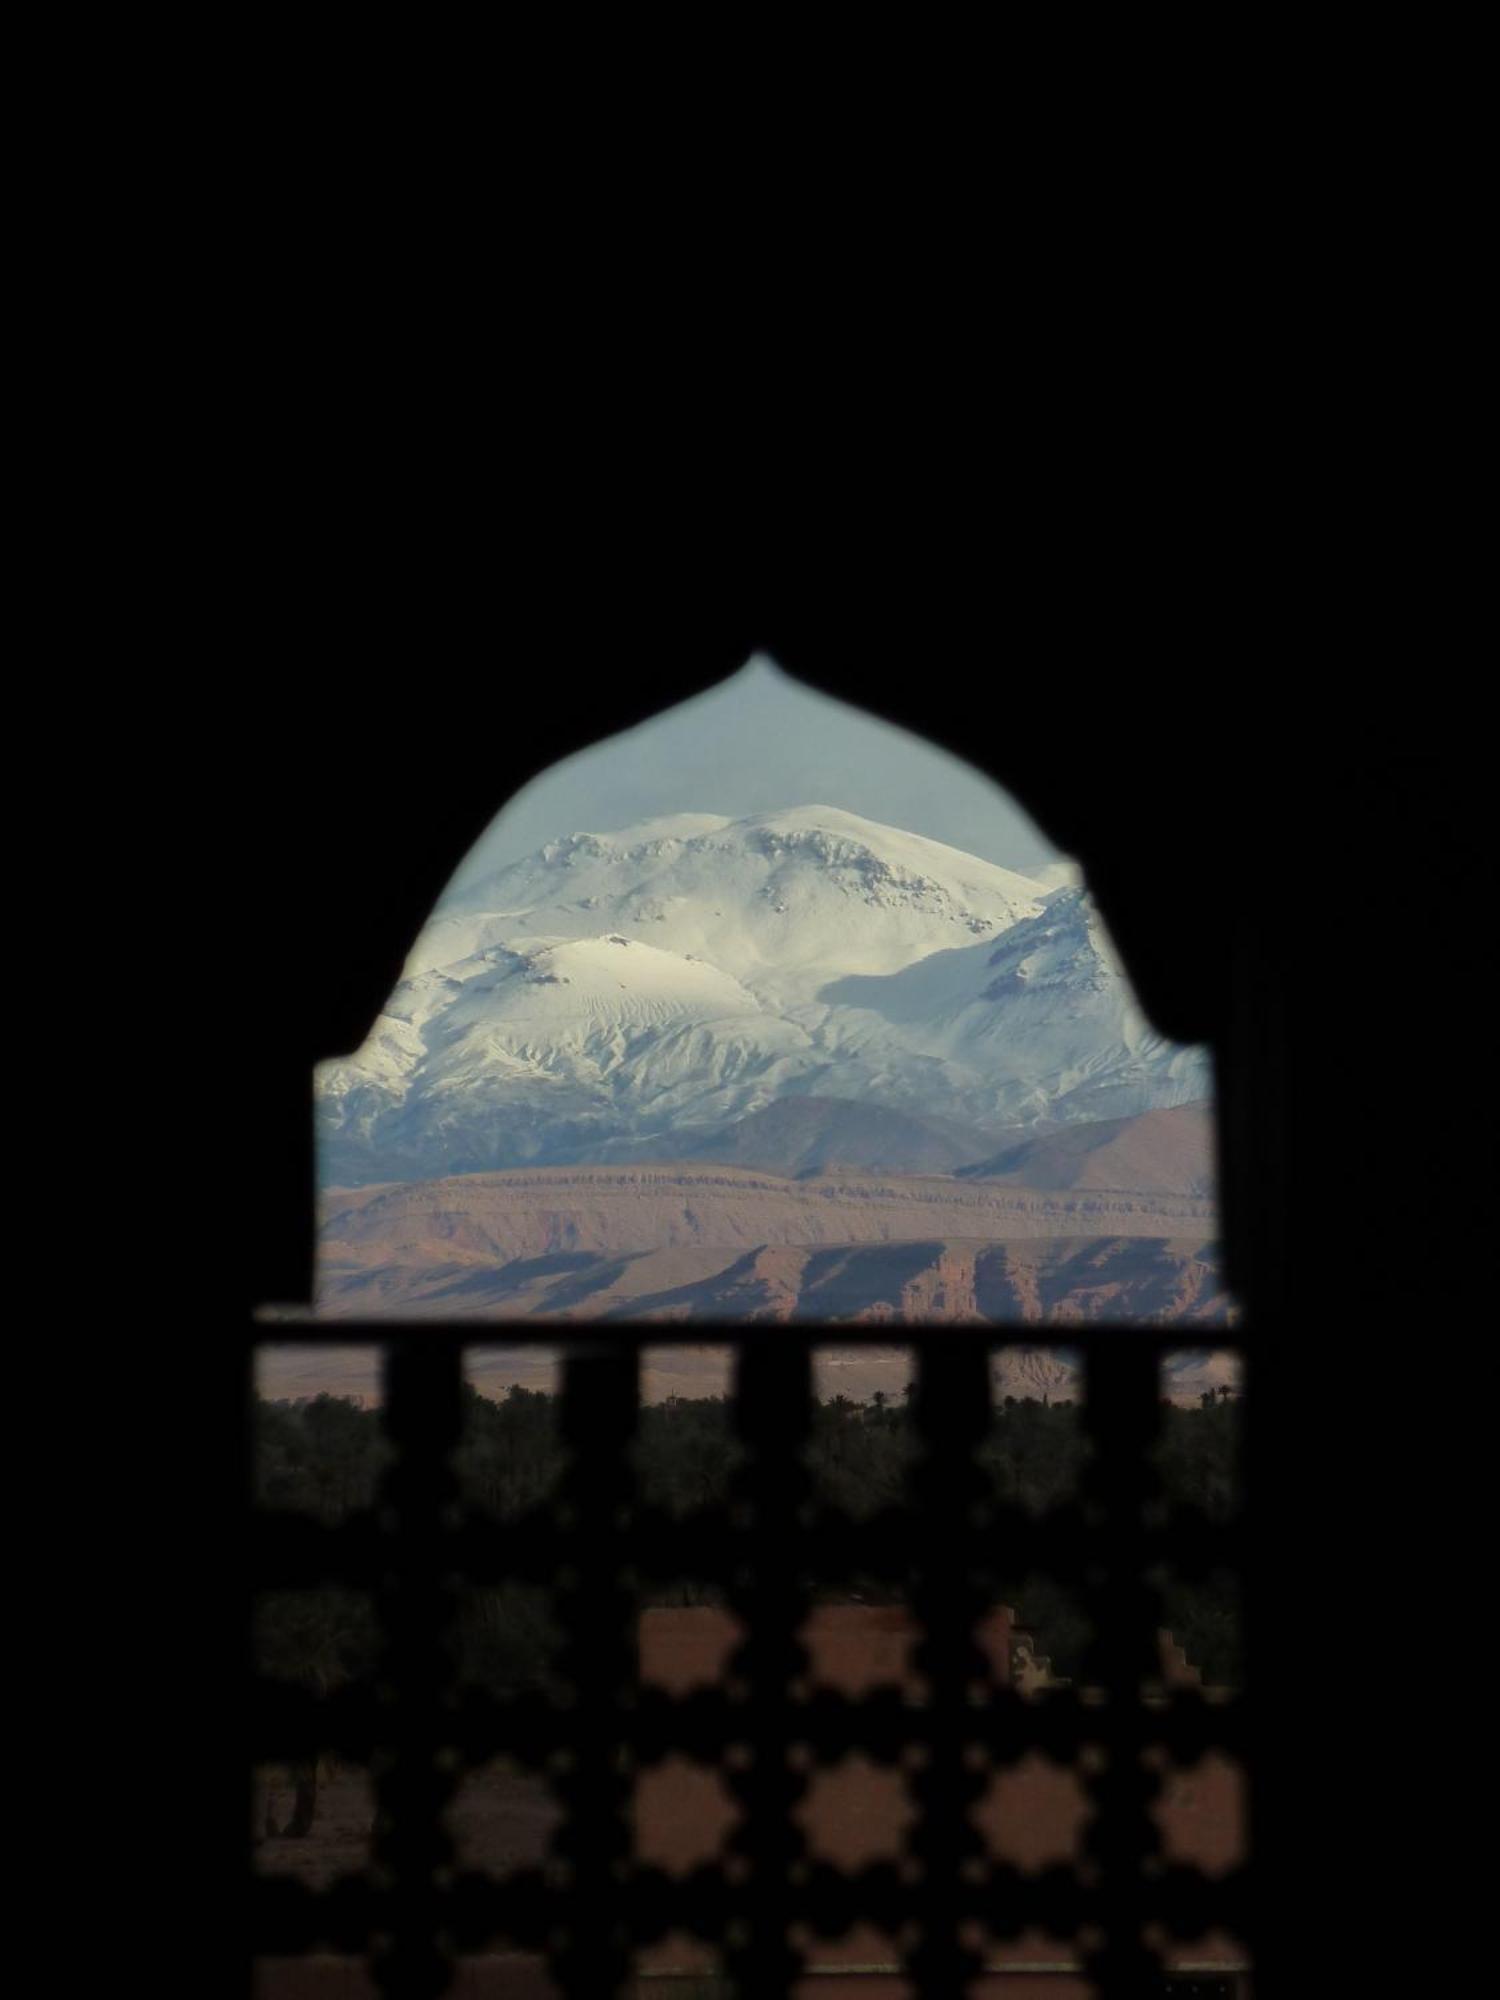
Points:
671	977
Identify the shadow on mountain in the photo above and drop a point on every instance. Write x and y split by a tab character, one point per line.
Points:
732	1294
938	984
865	1280
514	1276
598	1277
1115	1277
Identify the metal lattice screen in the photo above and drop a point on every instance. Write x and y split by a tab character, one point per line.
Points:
593	1907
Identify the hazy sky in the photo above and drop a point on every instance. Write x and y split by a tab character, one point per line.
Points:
756	742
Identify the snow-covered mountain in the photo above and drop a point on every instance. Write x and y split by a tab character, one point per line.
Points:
619	993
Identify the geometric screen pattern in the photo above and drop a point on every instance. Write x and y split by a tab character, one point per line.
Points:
592	1907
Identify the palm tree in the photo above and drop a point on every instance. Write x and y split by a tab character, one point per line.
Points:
318	1640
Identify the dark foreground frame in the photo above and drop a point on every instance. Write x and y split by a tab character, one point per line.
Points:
589	1909
1297	734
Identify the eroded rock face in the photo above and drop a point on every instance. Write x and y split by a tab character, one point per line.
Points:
492	1220
726	1246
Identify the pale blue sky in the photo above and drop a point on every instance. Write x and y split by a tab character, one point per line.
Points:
759	741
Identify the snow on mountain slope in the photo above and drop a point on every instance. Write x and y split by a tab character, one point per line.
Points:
650	987
1037	1024
780	900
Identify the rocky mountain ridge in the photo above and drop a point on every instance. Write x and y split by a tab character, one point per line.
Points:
653	990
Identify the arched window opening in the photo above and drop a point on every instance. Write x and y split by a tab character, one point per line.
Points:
670	1007
765	1126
